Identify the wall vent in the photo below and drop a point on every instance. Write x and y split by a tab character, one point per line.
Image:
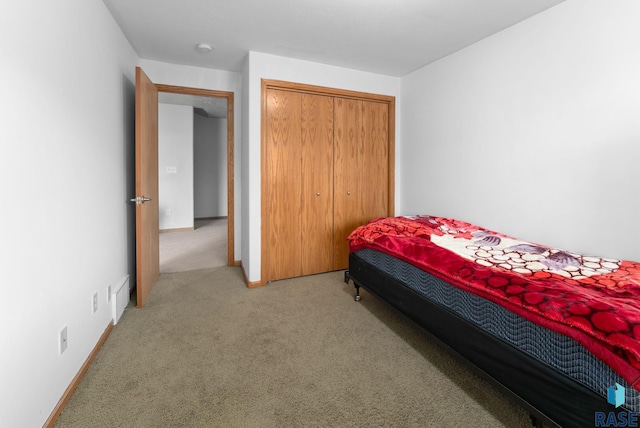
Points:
120	298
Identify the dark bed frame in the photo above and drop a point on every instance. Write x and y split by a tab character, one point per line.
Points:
551	398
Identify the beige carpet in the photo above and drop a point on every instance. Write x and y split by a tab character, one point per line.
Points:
208	352
202	248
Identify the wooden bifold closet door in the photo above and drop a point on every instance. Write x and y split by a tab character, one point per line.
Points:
325	172
361	162
299	155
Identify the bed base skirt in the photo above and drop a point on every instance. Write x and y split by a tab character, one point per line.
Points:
551	398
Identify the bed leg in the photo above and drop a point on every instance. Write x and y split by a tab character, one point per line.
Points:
355	284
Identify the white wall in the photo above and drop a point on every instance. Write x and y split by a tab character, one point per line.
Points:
534	132
175	166
260	66
210	166
204	78
66	143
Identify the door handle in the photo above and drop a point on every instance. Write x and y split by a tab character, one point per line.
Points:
139	200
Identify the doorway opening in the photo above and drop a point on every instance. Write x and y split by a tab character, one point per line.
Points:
206	164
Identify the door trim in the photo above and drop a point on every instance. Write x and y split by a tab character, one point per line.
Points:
318	90
230	151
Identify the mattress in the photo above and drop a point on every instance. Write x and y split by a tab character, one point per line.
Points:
562	353
590	299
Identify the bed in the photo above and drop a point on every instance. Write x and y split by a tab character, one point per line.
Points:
556	331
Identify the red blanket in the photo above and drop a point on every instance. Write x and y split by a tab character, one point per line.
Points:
593	300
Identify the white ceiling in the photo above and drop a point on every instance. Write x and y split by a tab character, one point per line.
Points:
391	37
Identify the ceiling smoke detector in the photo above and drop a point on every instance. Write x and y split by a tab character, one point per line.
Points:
204	48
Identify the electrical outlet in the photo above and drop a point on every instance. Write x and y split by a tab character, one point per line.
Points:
63	339
95	303
109	294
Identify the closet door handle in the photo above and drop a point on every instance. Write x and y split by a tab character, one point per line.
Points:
348	193
317	193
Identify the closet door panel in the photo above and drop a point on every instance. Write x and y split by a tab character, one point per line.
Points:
284	184
347	175
375	171
317	184
327	168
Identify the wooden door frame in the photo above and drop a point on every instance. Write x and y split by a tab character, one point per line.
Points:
230	150
318	90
